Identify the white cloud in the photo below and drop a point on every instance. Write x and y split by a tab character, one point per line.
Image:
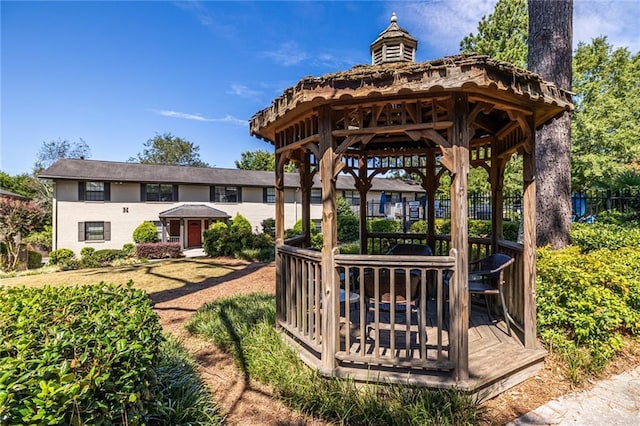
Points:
199	117
442	24
287	54
243	91
618	20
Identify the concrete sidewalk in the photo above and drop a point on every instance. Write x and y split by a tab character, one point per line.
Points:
614	401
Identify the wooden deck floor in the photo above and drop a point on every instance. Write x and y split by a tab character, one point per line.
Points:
497	361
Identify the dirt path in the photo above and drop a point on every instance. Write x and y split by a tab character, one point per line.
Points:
248	402
245	401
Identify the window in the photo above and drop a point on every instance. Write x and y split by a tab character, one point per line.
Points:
159	192
94	191
226	194
316	196
394	197
269	195
94	231
353	197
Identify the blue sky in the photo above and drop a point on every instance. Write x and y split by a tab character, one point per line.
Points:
116	73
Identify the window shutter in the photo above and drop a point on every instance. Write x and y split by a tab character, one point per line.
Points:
212	194
143	192
239	194
107	191
80	231
107	231
81	186
175	192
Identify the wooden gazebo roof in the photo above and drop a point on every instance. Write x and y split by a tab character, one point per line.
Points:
469	72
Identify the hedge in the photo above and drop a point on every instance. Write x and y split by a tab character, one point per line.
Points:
158	250
77	355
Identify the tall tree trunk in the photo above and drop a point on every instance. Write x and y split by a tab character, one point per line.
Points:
550	38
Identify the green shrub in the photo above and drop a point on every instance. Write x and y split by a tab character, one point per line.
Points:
594	236
615	217
34	260
343	208
350	248
348	228
61	256
214	239
74	355
41	240
269	227
316	241
146	232
87	252
586	302
297	228
418	227
384	226
129	250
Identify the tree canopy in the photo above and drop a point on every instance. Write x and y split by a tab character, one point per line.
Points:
17	219
52	151
503	34
170	150
606	125
260	159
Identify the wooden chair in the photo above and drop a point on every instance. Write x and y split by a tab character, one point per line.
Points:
486	277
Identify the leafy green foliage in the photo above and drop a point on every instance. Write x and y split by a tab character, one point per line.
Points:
260	159
77	355
34	260
586	302
384	225
503	34
60	256
41	240
269	227
348	228
170	150
146	232
17	218
243	326
606	128
595	236
238	240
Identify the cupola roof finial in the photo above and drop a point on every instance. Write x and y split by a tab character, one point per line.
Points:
394	44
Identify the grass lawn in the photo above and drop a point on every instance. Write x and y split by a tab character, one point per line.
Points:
151	277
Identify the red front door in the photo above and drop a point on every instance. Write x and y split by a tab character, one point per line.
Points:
194	235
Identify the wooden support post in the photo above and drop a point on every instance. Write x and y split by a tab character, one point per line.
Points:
459	285
363	189
280	290
330	281
306	182
496	179
429	185
529	239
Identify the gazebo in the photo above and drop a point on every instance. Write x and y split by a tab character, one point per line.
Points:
430	119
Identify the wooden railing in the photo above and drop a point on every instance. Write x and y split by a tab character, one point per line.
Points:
376	331
380	243
299	292
514	290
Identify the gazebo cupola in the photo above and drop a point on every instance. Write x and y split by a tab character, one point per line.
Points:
394	44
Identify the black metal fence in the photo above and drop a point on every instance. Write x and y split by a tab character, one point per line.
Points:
584	206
